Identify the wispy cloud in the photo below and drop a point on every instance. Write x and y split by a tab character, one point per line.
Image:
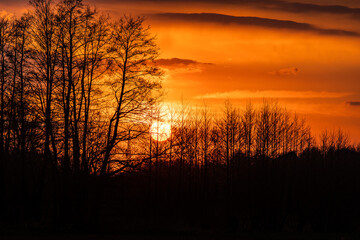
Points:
251	21
172	66
292	71
179	63
354	103
272	94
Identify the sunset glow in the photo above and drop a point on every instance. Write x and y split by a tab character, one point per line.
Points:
308	51
180	119
160	131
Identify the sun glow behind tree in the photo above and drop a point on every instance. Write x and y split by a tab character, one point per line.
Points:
160	131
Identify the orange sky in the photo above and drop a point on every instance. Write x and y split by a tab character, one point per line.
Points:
306	54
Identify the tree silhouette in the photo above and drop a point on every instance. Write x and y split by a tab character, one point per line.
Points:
134	86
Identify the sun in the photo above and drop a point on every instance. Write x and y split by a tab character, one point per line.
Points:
160	131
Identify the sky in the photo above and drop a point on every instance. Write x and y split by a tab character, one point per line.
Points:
305	54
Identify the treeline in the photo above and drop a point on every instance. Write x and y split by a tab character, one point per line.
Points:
251	169
201	136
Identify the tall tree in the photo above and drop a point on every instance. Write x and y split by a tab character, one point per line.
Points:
248	125
45	47
4	41
135	83
81	43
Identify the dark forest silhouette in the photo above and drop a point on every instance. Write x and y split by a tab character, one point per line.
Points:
78	95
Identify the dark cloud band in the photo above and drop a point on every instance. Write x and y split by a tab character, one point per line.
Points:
282	5
287	6
251	21
354	103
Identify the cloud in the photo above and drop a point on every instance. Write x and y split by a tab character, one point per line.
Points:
298	7
354	103
250	21
174	63
272	94
285	72
282	5
178	65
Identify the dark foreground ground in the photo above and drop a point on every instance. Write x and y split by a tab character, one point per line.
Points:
242	236
293	196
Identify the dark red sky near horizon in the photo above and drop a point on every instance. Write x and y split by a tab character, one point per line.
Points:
305	54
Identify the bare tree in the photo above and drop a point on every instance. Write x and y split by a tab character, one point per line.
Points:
228	126
44	59
95	65
83	38
135	83
248	125
4	41
206	125
342	140
263	130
